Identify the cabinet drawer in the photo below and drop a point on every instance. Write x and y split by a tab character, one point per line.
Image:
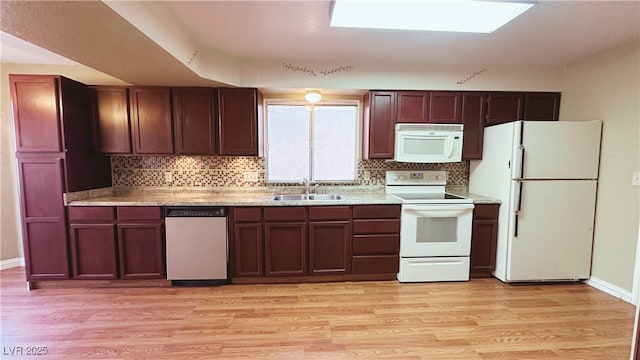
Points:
250	214
330	213
364	227
139	213
285	214
91	213
486	212
376	211
376	264
376	244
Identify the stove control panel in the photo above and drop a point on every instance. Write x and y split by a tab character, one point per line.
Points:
410	177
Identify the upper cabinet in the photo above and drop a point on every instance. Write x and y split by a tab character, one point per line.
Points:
112	134
36	109
194	120
445	107
379	125
503	107
473	111
239	122
412	107
541	106
152	122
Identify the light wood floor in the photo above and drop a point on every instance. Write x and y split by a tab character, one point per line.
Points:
480	319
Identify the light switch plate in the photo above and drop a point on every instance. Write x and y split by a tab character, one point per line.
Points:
168	176
367	175
635	178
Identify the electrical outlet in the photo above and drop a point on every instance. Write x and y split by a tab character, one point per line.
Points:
367	175
635	178
168	176
251	176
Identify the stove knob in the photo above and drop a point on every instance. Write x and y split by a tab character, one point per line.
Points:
401	177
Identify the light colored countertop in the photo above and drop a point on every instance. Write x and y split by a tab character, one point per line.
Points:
203	198
166	197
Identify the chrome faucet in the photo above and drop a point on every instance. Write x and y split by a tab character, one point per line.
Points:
305	182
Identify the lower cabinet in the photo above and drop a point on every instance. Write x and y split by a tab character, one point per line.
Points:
484	238
290	241
116	243
330	238
376	239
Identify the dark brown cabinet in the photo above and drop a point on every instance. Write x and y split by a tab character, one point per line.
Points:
246	242
473	111
43	219
152	121
541	106
503	107
412	107
92	234
484	237
285	240
445	107
376	239
379	125
55	155
36	112
140	242
194	121
112	131
239	122
329	240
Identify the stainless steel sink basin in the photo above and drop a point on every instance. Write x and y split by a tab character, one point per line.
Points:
314	197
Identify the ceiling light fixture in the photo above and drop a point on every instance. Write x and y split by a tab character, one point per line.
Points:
432	15
313	96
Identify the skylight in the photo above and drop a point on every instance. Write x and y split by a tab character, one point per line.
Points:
431	15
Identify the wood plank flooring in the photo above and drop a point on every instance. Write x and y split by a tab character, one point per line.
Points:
479	319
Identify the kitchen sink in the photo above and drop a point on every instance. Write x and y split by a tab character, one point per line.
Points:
313	197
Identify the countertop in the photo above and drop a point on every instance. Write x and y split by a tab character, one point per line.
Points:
159	197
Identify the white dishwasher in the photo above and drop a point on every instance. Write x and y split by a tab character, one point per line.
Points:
196	250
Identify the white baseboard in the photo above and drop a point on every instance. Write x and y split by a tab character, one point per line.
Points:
609	288
11	263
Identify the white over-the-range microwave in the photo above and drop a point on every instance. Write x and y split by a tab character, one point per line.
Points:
428	143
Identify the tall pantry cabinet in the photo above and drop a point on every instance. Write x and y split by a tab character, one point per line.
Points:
55	155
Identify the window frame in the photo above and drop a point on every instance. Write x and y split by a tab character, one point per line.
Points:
328	102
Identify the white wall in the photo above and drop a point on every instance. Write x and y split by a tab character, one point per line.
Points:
606	86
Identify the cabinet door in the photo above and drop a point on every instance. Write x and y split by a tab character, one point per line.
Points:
483	247
36	113
238	122
248	249
541	106
285	249
141	251
194	120
412	107
445	107
473	112
379	125
44	228
151	118
330	247
503	107
112	132
93	251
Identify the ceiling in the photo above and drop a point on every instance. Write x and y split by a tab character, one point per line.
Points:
216	42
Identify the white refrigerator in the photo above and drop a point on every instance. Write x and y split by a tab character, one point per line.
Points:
545	174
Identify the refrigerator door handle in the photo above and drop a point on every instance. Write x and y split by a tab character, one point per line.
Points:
518	209
520	164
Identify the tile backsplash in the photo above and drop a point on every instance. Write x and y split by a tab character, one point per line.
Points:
229	171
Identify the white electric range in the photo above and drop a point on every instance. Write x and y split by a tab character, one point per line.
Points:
435	227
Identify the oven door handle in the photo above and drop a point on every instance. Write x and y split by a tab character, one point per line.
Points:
437	207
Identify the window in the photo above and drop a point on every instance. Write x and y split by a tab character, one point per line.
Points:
317	142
